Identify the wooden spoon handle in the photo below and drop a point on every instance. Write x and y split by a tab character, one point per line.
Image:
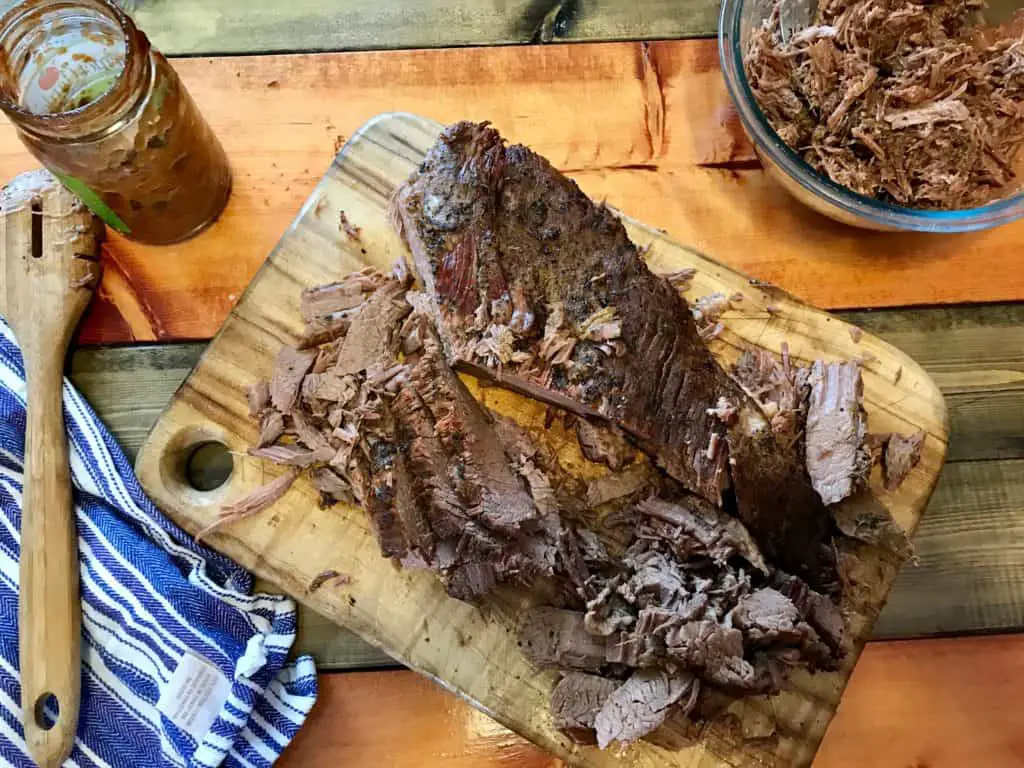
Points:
50	609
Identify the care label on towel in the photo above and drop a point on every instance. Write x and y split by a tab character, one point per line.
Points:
194	695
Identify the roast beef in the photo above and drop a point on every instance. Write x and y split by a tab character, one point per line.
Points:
575	702
901	455
837	458
643	703
552	637
537	287
660	590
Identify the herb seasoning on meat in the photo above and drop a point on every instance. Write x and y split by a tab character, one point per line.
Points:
898	100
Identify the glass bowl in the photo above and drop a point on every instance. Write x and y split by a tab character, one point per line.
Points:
738	19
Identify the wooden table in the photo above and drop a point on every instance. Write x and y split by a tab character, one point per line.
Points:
648	126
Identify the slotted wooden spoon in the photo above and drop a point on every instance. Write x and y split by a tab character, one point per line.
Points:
49	266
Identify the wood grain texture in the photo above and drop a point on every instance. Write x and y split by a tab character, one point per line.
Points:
48	265
915	704
474	651
973	545
647	126
237	26
130	386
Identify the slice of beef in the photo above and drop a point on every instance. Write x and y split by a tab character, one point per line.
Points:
816	609
332	487
768	616
780	387
540	289
290	455
322	330
643	703
437	513
716	653
290	367
715	532
552	637
603	444
866	519
258	395
495	494
471	517
575	702
901	455
326	300
370	338
837	458
271	428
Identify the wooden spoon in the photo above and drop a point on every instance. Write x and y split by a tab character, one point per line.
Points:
50	246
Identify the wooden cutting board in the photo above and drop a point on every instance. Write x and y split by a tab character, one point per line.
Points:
472	649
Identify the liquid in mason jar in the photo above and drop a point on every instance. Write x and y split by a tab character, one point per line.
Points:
107	114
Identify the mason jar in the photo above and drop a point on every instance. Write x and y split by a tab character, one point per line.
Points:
105	112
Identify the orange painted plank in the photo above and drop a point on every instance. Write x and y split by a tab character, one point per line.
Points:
911	704
636	124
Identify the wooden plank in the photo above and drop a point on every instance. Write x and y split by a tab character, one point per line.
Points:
129	387
649	128
407	612
237	26
975	357
915	704
971	545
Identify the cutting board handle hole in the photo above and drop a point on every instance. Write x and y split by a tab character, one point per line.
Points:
46	712
198	463
209	465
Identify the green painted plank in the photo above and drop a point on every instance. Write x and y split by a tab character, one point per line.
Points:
971	559
264	26
971	549
130	386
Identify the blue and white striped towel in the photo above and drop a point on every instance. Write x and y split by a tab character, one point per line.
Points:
151	597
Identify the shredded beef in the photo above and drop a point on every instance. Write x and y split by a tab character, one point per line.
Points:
904	101
901	455
538	288
837	459
659	594
255	502
481	501
575	702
